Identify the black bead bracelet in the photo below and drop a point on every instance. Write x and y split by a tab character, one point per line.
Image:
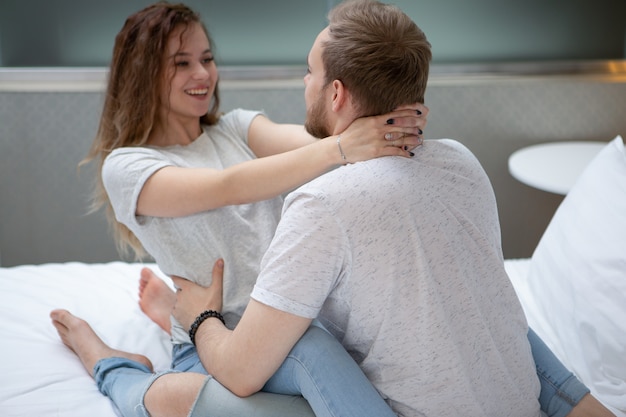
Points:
200	319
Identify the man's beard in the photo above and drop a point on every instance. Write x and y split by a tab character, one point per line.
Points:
316	118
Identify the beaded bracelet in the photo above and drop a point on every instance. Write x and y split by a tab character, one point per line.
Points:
200	319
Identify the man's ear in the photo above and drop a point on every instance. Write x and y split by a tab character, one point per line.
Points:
341	96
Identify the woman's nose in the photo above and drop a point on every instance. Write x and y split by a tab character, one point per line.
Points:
201	72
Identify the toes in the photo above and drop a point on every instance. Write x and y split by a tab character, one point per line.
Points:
59	316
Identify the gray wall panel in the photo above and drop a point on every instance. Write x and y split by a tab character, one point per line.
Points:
43	201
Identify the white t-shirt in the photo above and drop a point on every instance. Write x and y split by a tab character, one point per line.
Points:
188	246
401	260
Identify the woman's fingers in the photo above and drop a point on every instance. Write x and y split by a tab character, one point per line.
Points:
418	108
406	143
406	123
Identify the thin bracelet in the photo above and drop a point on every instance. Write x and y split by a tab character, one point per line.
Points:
343	155
200	319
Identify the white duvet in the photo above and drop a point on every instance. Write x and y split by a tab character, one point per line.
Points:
41	377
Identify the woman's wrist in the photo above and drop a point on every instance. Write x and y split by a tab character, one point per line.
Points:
343	155
335	151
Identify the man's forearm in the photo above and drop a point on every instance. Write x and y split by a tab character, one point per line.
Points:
212	340
244	359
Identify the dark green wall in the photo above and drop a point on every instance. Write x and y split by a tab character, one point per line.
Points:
42	33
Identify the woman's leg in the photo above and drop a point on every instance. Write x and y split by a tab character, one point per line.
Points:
156	299
561	391
128	380
138	392
215	400
319	368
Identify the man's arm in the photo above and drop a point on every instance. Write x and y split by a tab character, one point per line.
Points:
245	358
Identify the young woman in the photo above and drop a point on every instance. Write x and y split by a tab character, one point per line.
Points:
189	185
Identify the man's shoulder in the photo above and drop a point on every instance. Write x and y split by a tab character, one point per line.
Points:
345	181
447	144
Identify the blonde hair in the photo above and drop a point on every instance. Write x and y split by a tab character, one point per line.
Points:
133	96
378	53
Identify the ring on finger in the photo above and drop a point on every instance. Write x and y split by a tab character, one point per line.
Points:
388	135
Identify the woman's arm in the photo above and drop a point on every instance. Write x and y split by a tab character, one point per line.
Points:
176	191
267	138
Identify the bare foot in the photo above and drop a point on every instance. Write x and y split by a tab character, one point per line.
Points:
156	299
589	406
80	337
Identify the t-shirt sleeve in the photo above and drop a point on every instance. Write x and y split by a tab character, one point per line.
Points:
124	173
306	259
238	122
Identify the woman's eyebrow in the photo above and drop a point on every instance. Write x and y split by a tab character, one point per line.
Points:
183	53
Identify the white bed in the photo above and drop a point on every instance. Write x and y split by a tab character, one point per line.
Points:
573	291
39	376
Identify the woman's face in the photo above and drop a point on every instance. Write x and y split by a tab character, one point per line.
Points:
191	74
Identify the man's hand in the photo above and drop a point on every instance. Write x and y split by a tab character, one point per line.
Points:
192	299
245	358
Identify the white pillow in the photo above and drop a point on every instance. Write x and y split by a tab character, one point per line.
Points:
578	277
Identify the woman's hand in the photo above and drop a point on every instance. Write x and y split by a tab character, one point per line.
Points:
192	299
394	133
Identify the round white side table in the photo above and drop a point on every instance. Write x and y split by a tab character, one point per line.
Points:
553	166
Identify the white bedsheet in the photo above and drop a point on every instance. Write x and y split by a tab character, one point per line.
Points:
41	377
518	272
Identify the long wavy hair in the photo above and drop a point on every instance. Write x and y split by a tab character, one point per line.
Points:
133	97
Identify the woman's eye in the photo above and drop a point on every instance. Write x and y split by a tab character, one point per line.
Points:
208	59
182	63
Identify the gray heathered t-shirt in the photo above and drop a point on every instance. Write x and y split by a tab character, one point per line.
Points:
401	259
188	246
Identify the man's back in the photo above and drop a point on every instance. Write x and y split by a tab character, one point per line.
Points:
401	258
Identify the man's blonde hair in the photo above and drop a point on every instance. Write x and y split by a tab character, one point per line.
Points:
378	53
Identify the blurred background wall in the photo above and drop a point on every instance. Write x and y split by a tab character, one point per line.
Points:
506	75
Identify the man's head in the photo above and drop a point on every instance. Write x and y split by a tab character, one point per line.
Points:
373	52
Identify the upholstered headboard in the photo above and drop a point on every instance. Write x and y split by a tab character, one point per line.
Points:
48	120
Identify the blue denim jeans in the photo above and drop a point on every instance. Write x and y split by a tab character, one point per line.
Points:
318	368
321	370
560	389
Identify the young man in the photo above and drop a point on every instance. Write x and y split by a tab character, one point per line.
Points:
399	259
